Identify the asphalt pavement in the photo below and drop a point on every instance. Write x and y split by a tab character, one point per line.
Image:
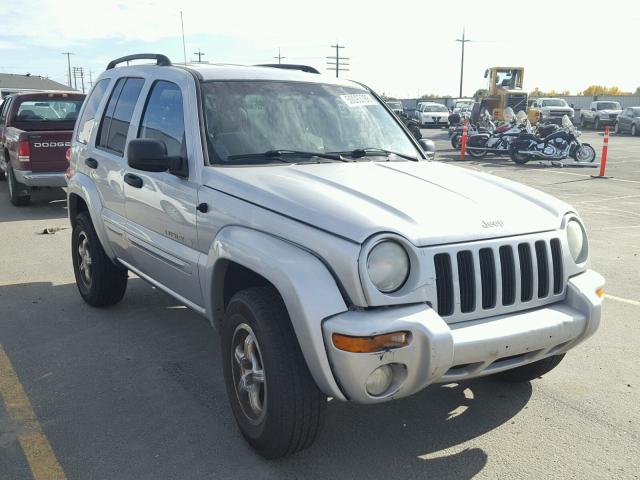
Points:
135	391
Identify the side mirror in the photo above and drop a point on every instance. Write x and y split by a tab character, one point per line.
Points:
486	73
593	109
150	155
427	145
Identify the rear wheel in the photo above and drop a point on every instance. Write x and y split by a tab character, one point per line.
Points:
19	194
531	371
585	153
274	399
519	158
476	153
100	281
456	141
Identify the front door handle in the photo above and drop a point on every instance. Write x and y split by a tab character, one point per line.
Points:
133	180
91	163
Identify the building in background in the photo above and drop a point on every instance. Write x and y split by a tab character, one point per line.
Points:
12	83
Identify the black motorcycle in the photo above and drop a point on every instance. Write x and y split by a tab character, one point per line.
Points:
558	145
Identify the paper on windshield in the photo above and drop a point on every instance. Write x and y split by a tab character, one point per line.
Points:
358	100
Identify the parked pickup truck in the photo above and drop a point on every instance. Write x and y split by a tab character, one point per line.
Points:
299	215
600	113
553	109
35	134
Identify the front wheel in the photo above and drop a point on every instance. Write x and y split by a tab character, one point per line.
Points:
596	124
616	129
456	141
583	122
100	281
634	130
274	399
584	154
531	371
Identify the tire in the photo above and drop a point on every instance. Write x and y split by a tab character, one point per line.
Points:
634	130
616	129
476	153
588	154
288	408
456	141
100	282
531	371
19	194
519	158
3	176
596	124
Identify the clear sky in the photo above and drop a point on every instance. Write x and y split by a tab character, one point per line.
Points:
401	48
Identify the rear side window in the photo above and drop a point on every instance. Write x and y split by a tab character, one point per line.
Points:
163	117
117	115
88	118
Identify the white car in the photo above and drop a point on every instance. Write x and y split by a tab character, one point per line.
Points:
432	114
553	109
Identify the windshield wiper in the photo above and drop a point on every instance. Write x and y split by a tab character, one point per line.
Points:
373	151
280	154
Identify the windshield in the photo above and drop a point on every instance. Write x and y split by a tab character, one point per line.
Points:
464	104
48	110
609	106
395	105
556	102
435	108
245	118
635	111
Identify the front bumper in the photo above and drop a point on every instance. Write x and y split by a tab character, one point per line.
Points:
41	179
441	352
440	121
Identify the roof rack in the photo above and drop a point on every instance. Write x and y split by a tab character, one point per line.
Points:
290	66
161	60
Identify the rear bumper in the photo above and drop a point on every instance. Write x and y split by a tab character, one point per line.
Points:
41	179
441	352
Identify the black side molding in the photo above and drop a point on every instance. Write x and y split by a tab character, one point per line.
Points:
290	66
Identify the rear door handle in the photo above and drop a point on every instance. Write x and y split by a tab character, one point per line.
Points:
91	163
133	180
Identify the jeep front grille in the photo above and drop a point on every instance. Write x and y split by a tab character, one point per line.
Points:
473	281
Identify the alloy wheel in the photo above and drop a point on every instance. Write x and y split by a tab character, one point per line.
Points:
248	374
84	258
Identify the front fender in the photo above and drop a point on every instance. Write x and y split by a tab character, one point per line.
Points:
81	185
309	291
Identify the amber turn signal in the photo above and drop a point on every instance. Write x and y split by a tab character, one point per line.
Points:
600	292
376	343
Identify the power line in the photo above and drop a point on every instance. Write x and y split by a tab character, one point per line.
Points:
200	55
462	41
279	57
68	54
335	61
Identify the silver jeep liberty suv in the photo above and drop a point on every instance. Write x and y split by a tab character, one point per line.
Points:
302	219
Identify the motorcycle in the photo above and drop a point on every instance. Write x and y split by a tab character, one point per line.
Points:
412	125
500	140
558	145
484	125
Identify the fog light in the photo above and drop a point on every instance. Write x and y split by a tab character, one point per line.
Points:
379	381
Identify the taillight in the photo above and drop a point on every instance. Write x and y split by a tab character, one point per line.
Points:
24	154
68	173
67	155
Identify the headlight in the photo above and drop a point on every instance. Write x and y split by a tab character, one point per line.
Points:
388	266
577	240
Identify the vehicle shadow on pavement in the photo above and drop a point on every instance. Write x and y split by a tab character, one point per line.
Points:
143	380
45	204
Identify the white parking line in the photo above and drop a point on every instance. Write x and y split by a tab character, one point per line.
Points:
623	300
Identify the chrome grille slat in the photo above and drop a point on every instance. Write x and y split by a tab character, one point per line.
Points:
477	279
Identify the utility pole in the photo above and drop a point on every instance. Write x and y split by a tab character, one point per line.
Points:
335	61
200	55
184	48
90	79
279	57
78	72
462	41
68	54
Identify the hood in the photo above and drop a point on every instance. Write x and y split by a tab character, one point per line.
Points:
558	109
427	202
